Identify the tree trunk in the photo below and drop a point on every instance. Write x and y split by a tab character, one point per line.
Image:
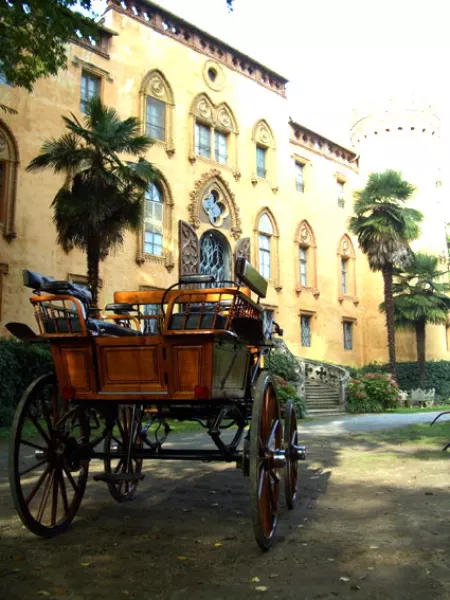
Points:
420	342
93	262
389	304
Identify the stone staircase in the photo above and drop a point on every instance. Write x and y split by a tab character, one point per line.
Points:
322	385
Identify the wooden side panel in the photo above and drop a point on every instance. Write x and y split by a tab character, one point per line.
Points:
131	365
74	364
190	365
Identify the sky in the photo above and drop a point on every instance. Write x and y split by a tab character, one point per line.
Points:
337	54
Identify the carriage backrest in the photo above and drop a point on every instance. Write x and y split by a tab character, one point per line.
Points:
246	273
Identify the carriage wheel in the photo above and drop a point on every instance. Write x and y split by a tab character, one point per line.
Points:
290	447
266	457
117	441
48	459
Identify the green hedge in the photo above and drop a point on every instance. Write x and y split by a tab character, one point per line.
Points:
437	375
20	364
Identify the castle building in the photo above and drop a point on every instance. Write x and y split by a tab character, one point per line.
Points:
238	177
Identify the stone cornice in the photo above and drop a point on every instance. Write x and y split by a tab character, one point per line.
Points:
166	23
314	142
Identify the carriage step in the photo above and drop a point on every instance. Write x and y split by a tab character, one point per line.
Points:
118	477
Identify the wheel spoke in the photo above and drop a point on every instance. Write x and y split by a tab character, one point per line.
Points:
32	445
63	492
273	433
118	466
38	427
38	484
45	495
72	481
47	418
55	497
33	467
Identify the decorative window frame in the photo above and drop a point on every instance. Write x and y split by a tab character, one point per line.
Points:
346	251
9	154
217	118
262	136
274	247
155	85
166	259
208	181
305	238
4	270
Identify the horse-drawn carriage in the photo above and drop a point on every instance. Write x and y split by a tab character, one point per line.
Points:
195	352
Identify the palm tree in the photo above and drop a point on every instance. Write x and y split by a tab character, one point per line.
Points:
102	195
421	297
384	227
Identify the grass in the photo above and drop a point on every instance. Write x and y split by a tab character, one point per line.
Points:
419	435
405	410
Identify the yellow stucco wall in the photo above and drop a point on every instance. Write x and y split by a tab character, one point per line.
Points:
134	52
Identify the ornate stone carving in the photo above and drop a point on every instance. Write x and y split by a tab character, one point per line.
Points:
216	210
263	135
189	251
205	110
346	247
214	181
243	248
304	234
158	88
224	119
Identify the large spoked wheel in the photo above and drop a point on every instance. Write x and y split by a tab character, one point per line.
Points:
290	447
266	458
123	467
49	458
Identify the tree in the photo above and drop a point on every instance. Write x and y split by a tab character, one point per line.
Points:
421	297
34	34
384	227
102	196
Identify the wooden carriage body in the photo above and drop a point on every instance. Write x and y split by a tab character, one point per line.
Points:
200	349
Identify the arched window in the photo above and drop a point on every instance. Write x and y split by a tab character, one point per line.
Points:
153	221
214	133
306	259
9	160
266	241
264	169
155	236
347	270
157	109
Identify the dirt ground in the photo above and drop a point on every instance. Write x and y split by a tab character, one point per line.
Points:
372	523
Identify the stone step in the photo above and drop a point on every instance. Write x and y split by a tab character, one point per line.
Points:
331	412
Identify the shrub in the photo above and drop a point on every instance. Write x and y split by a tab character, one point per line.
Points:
20	364
285	366
372	392
437	376
286	392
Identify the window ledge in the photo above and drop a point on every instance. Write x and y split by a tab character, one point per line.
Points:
353	299
210	161
307	288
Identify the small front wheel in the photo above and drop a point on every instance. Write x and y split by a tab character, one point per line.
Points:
49	458
290	447
120	444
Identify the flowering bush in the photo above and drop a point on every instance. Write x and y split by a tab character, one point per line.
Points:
286	392
372	392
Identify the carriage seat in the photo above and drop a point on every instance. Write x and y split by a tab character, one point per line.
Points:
121	308
105	328
197	320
